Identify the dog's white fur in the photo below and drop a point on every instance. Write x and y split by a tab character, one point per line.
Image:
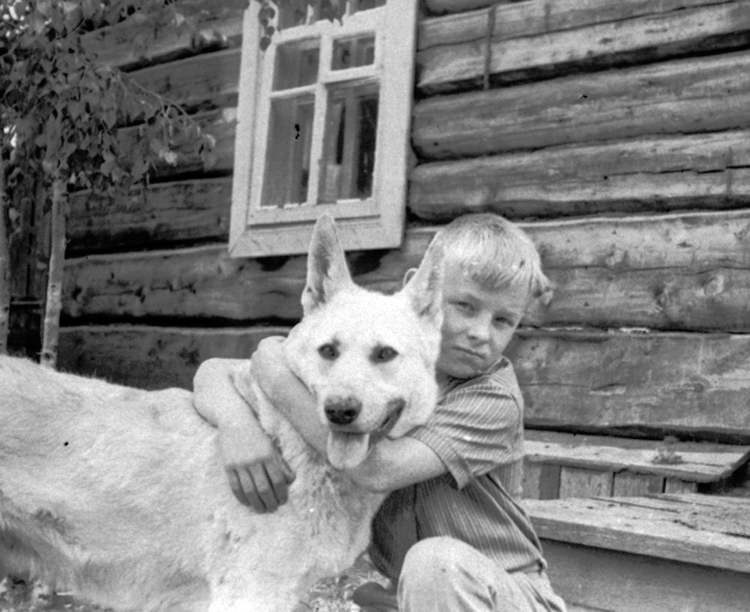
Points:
120	494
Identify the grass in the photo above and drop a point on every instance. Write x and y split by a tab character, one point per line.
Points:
329	595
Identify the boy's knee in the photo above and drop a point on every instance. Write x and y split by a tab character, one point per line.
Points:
434	559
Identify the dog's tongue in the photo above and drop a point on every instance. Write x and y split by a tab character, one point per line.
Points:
347	450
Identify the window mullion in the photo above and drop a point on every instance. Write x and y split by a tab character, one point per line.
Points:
319	121
260	143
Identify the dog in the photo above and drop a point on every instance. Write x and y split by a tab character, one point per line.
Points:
119	495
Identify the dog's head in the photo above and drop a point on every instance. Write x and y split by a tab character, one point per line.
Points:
368	358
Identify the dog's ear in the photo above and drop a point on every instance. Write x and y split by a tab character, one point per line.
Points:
424	286
327	271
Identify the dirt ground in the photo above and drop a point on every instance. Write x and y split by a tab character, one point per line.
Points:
330	595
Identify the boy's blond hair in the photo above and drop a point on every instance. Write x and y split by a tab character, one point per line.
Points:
495	252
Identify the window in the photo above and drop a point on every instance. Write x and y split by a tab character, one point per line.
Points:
324	118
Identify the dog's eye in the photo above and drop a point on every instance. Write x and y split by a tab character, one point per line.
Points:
383	354
329	351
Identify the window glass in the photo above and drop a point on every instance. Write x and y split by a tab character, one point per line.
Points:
292	15
349	148
353	52
366	5
296	65
287	171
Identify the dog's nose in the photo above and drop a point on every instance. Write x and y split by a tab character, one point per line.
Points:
342	410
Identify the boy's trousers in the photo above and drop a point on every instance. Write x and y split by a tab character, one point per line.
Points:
445	574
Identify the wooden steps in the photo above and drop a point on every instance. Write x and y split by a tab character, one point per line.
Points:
572	465
640	554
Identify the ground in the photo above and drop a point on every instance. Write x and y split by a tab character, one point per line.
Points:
330	595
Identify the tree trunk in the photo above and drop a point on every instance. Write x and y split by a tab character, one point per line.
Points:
53	305
4	263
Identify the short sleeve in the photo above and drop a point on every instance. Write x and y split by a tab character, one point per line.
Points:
477	427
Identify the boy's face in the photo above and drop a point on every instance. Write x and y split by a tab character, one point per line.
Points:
478	323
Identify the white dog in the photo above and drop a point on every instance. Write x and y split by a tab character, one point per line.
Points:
120	495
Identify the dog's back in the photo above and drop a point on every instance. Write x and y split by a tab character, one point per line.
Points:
87	478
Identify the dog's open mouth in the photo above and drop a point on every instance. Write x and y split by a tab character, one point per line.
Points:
347	450
389	423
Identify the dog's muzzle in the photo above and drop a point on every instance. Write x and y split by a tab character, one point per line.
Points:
342	410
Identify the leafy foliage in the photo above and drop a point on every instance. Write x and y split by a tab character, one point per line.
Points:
60	110
323	9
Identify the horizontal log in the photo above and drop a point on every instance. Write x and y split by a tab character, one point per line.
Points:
209	79
517	19
627	38
161	214
635	582
440	7
130	43
220	124
205	282
649	383
686	461
669	98
688	271
152	357
706	530
645	174
689	384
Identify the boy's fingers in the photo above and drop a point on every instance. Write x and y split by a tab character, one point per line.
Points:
263	487
289	474
277	480
250	492
236	486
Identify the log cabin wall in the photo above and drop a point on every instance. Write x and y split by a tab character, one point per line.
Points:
616	132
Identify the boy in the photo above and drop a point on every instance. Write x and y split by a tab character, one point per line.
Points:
450	532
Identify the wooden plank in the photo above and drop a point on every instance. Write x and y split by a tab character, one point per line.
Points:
678	486
695	462
221	124
643	174
205	282
666	98
626	40
657	383
164	213
210	78
130	43
152	357
438	7
627	484
593	579
618	524
560	14
675	271
516	19
576	482
541	481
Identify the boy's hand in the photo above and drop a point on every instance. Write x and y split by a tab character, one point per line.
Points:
258	475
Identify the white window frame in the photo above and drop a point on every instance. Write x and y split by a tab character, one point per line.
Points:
374	223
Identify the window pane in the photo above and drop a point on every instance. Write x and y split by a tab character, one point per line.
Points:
296	65
366	5
349	147
353	52
293	14
288	157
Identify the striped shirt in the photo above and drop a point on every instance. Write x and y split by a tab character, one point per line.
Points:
477	431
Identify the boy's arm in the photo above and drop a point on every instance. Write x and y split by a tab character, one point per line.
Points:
391	464
257	475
